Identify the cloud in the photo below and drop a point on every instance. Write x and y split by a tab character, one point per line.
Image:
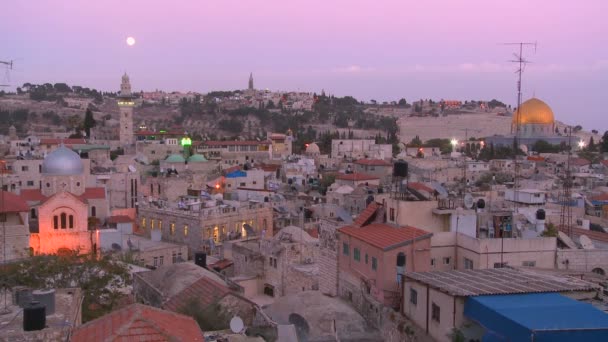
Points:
352	69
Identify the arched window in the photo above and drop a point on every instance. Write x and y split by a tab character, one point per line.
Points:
33	213
598	271
151	189
64	219
55	222
158	187
71	221
93	211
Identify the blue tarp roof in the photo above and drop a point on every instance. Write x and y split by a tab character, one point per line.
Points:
236	174
537	317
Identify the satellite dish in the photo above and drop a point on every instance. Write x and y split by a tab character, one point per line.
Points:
524	148
468	201
586	242
236	325
132	168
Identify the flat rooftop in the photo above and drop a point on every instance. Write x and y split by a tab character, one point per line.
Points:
498	281
68	304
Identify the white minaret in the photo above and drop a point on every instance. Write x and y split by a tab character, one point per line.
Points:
125	106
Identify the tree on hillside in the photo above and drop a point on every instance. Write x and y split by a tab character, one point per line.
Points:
591	146
403	102
89	122
604	145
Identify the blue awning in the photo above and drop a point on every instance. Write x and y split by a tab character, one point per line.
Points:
537	317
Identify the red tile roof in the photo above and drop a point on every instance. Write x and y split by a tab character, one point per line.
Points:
536	158
93	193
120	219
32	195
12	203
57	141
235	143
384	236
222	264
373	162
600	197
366	214
138	322
269	167
204	290
579	162
419	187
356	177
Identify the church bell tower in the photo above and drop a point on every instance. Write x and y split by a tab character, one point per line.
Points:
125	105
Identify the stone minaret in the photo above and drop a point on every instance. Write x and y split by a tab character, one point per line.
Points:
250	81
125	105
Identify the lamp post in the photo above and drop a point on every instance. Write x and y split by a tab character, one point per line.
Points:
454	143
581	145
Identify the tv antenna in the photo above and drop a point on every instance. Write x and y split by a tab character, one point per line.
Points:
521	63
9	66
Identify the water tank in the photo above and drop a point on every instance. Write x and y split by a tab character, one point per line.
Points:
200	259
481	203
34	316
540	214
400	169
369	200
22	296
46	298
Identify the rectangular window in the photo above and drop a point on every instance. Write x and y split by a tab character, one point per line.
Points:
500	265
468	264
357	254
374	263
143	222
447	260
366	258
160	225
155	261
174	257
151	223
413	297
185	230
270	261
435	313
161	260
171	227
24	168
30	183
433	262
529	263
392	214
345	249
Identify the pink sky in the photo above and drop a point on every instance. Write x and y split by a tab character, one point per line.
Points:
381	50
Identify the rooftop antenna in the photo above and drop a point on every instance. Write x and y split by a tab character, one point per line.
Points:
9	66
521	63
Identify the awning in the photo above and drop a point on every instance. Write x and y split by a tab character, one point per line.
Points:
538	317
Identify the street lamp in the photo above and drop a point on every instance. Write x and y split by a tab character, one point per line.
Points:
581	144
454	142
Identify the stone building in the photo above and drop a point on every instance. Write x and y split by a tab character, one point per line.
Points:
15	232
125	105
328	256
283	265
206	228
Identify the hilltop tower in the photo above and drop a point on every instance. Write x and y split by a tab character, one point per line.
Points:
125	105
250	81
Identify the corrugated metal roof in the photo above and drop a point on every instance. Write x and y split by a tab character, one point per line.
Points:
498	281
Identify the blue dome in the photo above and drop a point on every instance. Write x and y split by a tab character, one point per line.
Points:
62	162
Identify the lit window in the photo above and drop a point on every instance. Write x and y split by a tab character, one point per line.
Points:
151	223
186	230
171	227
143	222
160	225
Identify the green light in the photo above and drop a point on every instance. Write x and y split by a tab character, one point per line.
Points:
162	131
186	141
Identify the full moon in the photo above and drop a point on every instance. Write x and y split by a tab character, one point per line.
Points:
130	41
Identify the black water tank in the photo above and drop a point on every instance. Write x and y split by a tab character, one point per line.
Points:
540	214
200	259
34	316
481	203
400	169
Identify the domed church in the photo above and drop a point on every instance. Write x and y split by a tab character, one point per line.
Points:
536	122
66	205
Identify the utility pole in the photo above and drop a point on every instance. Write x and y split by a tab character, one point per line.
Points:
565	218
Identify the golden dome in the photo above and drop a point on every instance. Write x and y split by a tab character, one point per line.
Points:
534	111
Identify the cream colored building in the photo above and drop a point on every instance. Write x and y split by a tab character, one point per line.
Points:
14	227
